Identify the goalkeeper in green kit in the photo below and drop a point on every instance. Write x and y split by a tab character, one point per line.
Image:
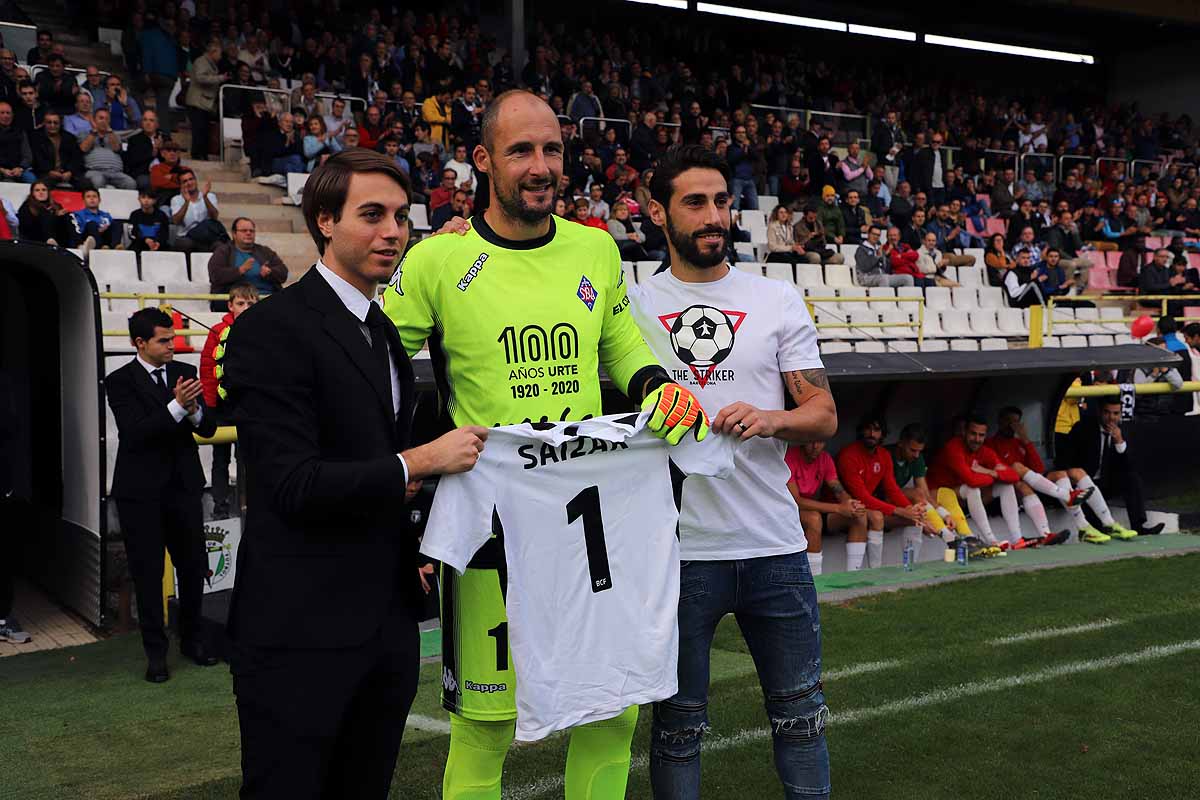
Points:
520	313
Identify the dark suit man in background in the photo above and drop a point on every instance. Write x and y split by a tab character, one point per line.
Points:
324	611
1097	445
158	481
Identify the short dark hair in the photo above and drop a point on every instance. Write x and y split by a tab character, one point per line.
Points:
872	419
679	159
50	59
975	418
1191	329
233	225
143	322
1110	400
1050	250
329	184
1167	324
1010	410
913	432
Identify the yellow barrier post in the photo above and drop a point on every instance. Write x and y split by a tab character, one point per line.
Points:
168	583
1036	323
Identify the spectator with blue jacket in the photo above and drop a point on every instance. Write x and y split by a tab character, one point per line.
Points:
93	227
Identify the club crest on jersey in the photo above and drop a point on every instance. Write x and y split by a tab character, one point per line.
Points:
587	293
702	337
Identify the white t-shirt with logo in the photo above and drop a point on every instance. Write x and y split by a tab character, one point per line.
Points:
589	519
728	341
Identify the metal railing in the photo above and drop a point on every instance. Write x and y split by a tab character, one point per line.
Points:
142	297
1045	158
1112	160
1013	154
1050	321
918	324
1062	160
1113	389
591	129
19	38
355	103
833	131
78	72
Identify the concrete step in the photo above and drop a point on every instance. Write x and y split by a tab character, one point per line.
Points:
276	226
242	187
217	171
249	198
297	250
257	211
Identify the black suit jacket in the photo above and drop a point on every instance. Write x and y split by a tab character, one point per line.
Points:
922	177
154	449
1083	450
327	555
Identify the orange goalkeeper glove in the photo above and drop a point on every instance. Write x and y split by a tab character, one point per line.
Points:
676	411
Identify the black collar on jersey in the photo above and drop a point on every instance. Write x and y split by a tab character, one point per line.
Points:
484	230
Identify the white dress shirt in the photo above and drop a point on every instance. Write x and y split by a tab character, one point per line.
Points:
358	304
178	412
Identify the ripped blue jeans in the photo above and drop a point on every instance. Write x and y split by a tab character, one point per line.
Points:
775	605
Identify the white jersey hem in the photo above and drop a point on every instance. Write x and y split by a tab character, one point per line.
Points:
641	698
742	555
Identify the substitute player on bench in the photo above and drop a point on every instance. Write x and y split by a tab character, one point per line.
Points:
520	312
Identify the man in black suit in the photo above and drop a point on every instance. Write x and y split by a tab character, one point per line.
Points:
822	163
325	607
1097	445
930	168
157	483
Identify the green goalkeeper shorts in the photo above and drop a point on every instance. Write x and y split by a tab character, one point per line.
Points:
478	680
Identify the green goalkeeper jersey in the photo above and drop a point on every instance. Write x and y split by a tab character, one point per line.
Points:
518	329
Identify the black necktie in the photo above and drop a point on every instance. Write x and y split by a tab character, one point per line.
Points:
376	322
160	380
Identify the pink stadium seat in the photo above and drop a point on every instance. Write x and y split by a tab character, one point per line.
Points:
1097	259
1194	260
995	225
1192	311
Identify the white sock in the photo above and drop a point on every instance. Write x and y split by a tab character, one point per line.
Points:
949	536
1037	513
874	549
912	535
1042	484
1078	520
1010	511
944	513
978	512
814	563
854	555
1097	503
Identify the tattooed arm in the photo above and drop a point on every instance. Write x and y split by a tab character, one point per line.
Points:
813	419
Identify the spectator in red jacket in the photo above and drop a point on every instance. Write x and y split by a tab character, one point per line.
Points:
1011	443
902	259
241	297
822	500
864	467
581	213
974	470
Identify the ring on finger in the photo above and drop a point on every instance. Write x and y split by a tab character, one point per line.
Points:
742	425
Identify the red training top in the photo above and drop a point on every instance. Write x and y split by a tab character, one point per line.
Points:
952	467
862	473
1012	450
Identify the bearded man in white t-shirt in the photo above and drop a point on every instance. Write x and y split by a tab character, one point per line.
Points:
742	344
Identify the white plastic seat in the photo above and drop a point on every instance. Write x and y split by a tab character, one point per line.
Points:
858	318
119	202
1050	341
934	346
160	268
903	327
978	253
886	295
904	346
991	297
914	292
188	307
630	272
825	334
838	275
965	298
828	310
936	298
208	318
1124	338
964	345
750	268
418	215
1066	315
1089	328
767	202
809	275
198	266
1100	340
781	272
853	292
745	250
848	251
983	322
126	307
646	269
1011	322
971	276
1112	320
932	329
1074	341
956	324
830	348
870	347
113	265
295	186
993	344
116	321
951	273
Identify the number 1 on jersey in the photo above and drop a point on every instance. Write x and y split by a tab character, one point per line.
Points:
586	504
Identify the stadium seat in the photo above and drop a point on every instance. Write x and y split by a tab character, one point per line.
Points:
1103	279
809	275
956	323
830	348
1065	316
198	266
965	298
825	334
858	318
914	292
993	344
1050	341
933	326
870	347
902	328
781	272
745	250
126	307
1097	259
116	321
995	225
934	346
113	265
207	318
15	193
936	298
1089	328
853	292
978	253
231	130
630	272
983	322
838	275
1011	322
971	276
750	268
1193	260
1124	338
951	273
904	346
964	345
886	295
766	202
119	202
1074	341
160	268
828	308
188	307
991	297
1100	340
755	224
1111	319
848	251
418	215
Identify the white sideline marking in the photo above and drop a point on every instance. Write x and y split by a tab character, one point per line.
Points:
424	723
859	669
938	696
1050	633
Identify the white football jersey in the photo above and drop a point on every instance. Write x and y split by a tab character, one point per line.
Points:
589	524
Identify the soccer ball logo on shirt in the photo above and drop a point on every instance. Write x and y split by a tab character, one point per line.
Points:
702	337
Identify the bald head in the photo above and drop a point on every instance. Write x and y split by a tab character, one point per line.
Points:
511	112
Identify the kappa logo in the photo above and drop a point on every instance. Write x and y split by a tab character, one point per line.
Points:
587	293
475	269
702	337
448	681
485	688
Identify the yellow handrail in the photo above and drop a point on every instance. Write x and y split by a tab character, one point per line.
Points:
919	324
1109	389
1164	298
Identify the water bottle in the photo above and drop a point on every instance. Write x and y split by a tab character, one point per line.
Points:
909	556
961	554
